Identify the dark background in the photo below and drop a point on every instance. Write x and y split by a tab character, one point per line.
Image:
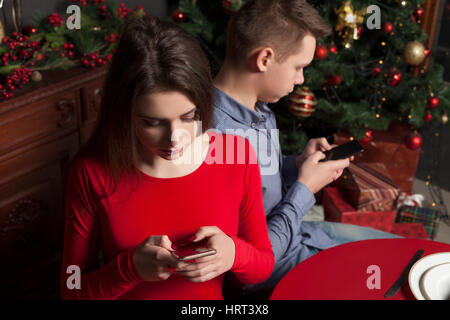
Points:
435	157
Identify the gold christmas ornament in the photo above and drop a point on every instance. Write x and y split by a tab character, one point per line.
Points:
348	22
414	53
444	118
303	102
36	76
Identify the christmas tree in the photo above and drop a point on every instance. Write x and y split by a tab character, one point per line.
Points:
364	76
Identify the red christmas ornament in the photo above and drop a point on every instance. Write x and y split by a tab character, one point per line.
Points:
368	137
178	16
376	72
427	52
337	79
413	141
394	77
333	49
321	52
433	102
427	117
332	80
388	27
418	13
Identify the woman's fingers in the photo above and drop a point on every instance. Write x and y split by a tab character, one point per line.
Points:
197	270
160	241
205	232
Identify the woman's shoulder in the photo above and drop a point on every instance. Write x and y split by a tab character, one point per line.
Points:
86	165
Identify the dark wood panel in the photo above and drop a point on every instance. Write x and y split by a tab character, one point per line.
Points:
32	220
55	116
41	130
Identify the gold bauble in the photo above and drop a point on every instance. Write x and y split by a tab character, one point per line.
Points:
414	53
303	102
444	118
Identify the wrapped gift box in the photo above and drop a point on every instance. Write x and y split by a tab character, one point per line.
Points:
410	230
368	187
337	209
427	217
388	147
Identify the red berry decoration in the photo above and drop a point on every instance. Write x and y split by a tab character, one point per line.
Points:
388	27
55	20
321	52
413	141
433	102
394	77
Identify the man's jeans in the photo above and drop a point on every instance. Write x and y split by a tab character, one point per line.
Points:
344	233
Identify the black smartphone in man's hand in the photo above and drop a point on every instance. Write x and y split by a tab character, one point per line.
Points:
343	151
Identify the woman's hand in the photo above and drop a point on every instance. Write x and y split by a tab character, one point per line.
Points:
207	268
153	258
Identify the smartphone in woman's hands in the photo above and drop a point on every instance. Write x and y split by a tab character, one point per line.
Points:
187	255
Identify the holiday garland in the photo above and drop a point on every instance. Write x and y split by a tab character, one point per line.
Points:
50	44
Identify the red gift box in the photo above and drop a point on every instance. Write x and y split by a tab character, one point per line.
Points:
338	210
388	147
368	187
410	230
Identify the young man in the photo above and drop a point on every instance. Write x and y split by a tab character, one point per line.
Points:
269	43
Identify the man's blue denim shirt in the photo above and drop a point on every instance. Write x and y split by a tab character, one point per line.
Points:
286	200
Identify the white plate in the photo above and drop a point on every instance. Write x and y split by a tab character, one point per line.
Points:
416	274
436	282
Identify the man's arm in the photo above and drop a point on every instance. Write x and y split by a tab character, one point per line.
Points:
284	221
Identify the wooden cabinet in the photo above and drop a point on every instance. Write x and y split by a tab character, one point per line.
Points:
41	130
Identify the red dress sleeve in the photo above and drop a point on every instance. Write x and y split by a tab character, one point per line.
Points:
254	259
81	244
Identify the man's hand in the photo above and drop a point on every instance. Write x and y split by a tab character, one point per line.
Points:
318	144
316	175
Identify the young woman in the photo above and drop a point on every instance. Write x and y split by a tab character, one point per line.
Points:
153	179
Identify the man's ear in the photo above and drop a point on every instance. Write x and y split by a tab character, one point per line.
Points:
264	57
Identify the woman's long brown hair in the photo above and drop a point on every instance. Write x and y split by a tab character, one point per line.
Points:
152	56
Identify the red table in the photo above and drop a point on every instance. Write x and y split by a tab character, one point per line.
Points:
341	273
